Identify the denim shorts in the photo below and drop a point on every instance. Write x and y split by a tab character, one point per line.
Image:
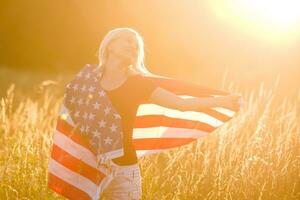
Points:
125	183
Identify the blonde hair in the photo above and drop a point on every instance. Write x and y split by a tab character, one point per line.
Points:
139	66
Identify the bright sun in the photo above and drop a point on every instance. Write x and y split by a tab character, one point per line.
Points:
276	20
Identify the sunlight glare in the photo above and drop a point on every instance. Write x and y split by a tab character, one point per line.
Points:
272	20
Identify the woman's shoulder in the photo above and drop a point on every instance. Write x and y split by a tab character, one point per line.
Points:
139	77
135	75
139	74
146	77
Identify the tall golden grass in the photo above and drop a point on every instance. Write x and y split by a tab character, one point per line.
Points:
256	155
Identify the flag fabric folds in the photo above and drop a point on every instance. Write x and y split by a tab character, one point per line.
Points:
93	115
158	128
73	170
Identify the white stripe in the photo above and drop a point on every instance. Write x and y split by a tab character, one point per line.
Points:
141	153
154	109
74	149
104	183
115	153
73	178
167	132
106	157
185	96
80	152
224	111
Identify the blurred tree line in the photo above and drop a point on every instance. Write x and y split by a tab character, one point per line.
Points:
65	34
49	34
62	35
183	39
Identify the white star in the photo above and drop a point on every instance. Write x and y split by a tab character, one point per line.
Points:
95	79
69	85
102	93
77	113
107	140
113	128
91	116
80	101
87	76
79	74
102	123
117	116
91	89
83	88
75	87
85	115
96	134
93	142
106	110
82	129
72	100
87	128
96	105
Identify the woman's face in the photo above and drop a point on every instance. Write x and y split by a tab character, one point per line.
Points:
125	48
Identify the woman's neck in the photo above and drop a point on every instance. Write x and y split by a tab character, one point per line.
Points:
116	69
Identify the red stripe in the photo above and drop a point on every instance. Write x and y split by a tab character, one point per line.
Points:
68	130
146	121
76	165
159	143
65	189
218	115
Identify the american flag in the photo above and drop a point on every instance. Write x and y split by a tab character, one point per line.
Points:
73	169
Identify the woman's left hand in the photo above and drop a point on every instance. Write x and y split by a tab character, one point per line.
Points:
232	102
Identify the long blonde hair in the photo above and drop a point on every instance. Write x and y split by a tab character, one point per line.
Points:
139	66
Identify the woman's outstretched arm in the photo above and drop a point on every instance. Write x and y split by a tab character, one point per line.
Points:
168	99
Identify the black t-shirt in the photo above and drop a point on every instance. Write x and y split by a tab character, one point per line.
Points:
126	99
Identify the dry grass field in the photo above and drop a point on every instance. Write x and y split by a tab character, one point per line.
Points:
254	156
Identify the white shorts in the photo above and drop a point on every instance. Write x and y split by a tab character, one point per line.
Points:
125	184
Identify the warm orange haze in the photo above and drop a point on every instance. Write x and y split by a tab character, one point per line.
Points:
244	47
270	21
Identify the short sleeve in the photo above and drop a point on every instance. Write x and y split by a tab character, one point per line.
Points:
146	87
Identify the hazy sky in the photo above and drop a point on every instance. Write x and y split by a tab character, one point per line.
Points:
188	38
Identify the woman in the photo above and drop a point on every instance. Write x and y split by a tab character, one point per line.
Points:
121	57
